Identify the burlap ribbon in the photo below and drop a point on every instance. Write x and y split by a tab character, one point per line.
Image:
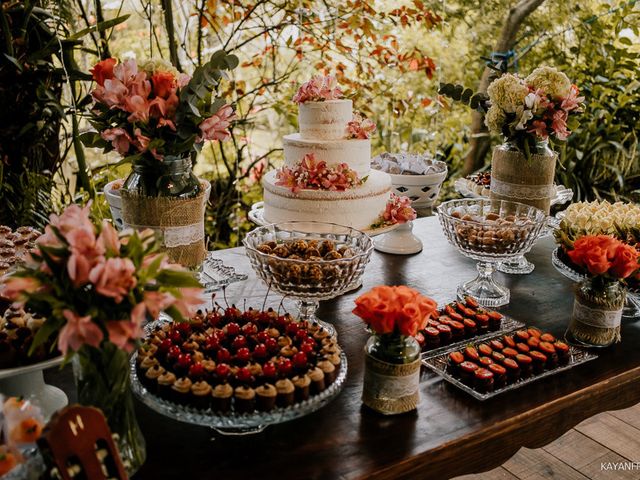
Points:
179	221
518	179
596	323
391	388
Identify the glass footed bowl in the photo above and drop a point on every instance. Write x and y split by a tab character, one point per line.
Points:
316	278
489	231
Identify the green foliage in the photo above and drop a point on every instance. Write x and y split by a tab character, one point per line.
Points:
477	101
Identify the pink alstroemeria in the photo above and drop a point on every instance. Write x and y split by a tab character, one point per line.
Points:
216	126
189	301
398	210
15	288
113	93
360	128
138	107
119	138
157	302
78	331
539	128
124	333
559	124
572	101
319	88
108	239
86	252
114	278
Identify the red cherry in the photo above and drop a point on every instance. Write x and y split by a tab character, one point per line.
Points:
213	318
300	359
184	360
184	328
212	342
175	336
272	344
165	345
262	336
196	370
232	313
260	351
292	328
222	370
302	335
243	374
232	329
284	365
269	370
223	355
282	321
243	354
311	342
173	353
239	342
249	329
264	317
306	347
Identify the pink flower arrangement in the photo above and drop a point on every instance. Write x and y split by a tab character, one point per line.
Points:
398	210
311	174
138	110
318	89
94	285
360	128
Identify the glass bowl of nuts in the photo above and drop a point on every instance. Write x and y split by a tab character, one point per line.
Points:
309	261
489	231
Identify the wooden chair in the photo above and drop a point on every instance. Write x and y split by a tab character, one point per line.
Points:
78	442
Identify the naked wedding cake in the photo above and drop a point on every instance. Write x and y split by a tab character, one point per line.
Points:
327	175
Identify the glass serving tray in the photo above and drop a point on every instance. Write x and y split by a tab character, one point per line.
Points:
438	364
214	274
507	325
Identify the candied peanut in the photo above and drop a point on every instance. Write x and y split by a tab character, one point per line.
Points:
281	251
264	248
312	252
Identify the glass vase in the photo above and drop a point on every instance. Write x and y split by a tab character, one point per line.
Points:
597	311
391	374
102	381
170	177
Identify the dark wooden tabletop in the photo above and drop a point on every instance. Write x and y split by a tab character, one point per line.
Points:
450	433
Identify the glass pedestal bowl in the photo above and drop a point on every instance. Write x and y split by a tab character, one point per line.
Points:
489	231
309	279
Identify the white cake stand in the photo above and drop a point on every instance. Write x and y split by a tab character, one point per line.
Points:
28	382
256	215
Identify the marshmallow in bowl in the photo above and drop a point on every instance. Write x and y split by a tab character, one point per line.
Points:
408	164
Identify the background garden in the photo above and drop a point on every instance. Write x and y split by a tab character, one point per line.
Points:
389	56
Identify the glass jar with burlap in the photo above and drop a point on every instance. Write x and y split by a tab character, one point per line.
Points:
391	374
524	172
169	199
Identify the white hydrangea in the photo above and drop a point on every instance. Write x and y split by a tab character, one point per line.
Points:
158	65
552	81
494	119
507	92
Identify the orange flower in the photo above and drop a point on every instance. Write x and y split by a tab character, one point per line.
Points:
626	262
399	309
604	255
103	70
164	84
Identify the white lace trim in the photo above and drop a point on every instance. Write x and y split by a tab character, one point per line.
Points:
527	192
385	387
176	236
596	317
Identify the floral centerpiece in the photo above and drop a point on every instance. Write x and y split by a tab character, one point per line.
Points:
394	315
599	299
96	288
157	119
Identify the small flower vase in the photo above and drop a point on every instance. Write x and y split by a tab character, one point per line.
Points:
102	381
524	172
168	198
597	311
391	374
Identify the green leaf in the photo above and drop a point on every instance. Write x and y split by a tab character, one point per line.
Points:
100	27
178	279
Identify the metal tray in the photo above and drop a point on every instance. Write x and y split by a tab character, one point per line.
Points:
438	364
507	325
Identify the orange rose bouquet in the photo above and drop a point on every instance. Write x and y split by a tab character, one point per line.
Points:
603	255
394	310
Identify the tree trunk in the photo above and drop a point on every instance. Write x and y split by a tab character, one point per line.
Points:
480	141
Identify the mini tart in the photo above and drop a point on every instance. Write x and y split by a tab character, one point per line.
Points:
302	383
255	369
221	397
329	371
165	382
201	393
151	377
181	391
209	367
284	341
288	351
148	362
335	359
321	334
286	392
330	348
244	399
266	397
317	380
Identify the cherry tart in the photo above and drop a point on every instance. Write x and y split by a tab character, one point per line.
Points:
502	361
456	322
234	361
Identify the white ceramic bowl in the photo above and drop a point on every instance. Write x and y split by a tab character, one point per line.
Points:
115	202
423	190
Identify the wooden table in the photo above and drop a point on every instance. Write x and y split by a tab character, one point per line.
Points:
450	434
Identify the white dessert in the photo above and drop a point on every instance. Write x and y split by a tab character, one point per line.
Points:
324	120
355	153
358	207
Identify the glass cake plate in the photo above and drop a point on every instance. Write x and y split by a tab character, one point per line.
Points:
438	364
632	306
234	423
256	215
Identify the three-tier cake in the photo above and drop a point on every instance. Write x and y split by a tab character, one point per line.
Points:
327	175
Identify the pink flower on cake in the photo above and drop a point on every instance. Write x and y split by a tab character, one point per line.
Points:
313	175
360	128
77	332
398	210
114	278
216	126
318	89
